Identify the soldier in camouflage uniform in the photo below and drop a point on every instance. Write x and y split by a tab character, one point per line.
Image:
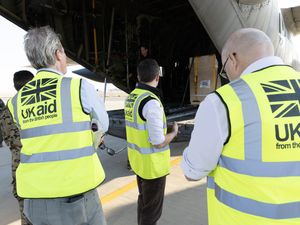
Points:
11	135
1	137
2	106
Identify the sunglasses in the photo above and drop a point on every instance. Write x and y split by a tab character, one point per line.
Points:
222	74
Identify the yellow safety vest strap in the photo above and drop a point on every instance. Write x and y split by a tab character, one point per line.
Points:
249	206
58	155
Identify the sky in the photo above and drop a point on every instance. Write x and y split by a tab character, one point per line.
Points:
288	3
13	58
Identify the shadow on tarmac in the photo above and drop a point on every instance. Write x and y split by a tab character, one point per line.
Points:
177	210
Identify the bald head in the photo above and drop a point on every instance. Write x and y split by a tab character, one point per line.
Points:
244	47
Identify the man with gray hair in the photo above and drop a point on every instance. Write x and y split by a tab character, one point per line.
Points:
246	137
59	168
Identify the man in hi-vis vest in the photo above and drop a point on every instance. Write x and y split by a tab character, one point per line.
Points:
148	142
247	139
59	168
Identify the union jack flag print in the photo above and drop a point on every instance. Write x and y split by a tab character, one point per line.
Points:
39	90
284	97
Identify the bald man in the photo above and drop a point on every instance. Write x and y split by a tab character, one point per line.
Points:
246	138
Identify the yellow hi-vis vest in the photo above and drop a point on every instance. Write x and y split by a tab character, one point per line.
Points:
257	179
146	161
57	158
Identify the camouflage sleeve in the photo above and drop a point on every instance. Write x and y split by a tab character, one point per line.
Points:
9	129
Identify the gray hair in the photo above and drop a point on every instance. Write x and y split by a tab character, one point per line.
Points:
40	46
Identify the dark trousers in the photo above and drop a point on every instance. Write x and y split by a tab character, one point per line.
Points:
150	200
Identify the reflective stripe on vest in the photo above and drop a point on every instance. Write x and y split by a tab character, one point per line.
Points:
210	182
260	169
140	126
15	107
65	93
251	113
246	205
58	155
55	129
136	125
146	150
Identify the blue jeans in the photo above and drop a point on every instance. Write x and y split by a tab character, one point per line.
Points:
83	209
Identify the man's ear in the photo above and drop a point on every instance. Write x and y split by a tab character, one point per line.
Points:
157	78
234	61
59	54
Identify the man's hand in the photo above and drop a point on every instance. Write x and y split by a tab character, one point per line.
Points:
169	137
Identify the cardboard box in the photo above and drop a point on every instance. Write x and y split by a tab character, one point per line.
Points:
203	77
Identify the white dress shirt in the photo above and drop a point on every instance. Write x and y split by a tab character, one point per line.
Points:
211	130
153	113
91	102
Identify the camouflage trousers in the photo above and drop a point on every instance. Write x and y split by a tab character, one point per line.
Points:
15	163
1	138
